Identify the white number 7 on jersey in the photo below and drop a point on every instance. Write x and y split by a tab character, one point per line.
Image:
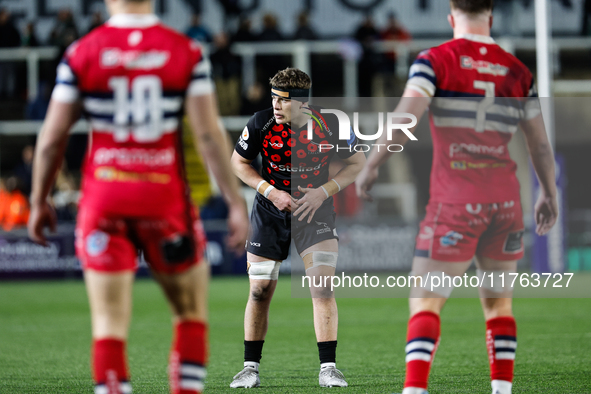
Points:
144	107
487	102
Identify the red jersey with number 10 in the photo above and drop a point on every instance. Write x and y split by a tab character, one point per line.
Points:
132	76
480	94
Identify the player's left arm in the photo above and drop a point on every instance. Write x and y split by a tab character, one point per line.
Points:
313	198
49	153
542	157
213	145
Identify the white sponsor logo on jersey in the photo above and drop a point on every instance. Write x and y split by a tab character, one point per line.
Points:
245	134
123	157
134	60
289	168
483	67
134	38
456	149
242	144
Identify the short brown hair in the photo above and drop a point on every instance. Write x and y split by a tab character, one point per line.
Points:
291	78
472	6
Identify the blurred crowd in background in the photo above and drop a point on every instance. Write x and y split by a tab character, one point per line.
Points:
226	65
15	185
374	69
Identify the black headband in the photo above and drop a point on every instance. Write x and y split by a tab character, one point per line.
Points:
296	94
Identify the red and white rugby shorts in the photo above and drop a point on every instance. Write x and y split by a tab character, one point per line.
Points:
457	232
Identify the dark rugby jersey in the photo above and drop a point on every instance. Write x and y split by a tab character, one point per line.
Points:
290	159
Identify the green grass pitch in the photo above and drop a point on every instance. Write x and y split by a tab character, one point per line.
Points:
45	339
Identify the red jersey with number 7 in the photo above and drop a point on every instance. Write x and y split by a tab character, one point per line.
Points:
132	76
479	94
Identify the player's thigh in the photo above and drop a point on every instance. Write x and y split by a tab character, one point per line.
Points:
110	299
449	232
432	283
269	234
103	243
172	243
503	240
317	242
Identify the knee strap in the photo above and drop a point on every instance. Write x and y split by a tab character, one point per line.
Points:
315	259
264	270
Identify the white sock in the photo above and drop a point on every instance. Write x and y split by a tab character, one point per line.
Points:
414	390
501	387
252	364
327	365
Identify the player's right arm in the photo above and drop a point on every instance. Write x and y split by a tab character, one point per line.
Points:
245	171
420	88
542	157
49	153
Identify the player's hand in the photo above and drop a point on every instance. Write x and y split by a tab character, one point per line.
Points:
282	200
545	213
309	204
237	228
365	181
41	216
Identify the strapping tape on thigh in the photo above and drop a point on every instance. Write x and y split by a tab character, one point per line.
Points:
316	259
264	270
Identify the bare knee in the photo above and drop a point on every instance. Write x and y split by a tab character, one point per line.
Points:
322	293
262	291
434	305
110	303
496	307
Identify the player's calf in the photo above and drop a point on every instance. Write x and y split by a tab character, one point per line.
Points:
501	342
188	358
422	340
109	366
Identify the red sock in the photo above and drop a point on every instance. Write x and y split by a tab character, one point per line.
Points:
188	358
501	342
109	367
421	343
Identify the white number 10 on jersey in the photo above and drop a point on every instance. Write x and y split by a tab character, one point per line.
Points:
141	112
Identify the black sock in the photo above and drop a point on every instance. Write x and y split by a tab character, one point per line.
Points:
327	351
253	351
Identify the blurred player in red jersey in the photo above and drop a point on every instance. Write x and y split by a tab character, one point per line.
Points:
130	78
474	209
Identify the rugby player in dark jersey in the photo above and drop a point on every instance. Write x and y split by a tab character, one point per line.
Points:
294	201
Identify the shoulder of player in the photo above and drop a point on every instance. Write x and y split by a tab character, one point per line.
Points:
260	119
87	42
516	63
